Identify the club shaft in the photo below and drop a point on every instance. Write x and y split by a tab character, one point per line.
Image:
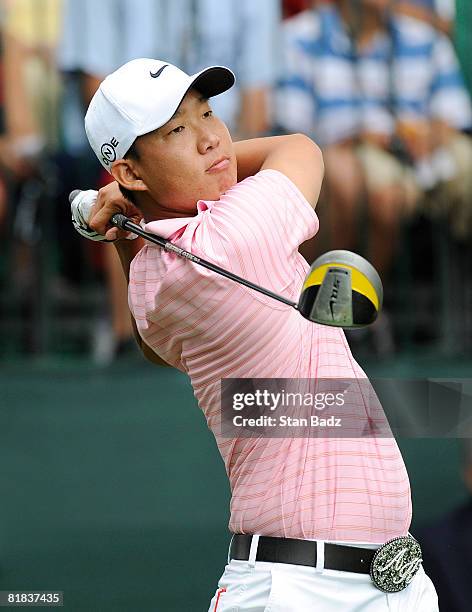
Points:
124	223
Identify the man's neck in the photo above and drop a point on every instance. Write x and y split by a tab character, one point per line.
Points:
153	211
162	214
363	23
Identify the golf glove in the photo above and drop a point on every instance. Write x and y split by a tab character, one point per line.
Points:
81	207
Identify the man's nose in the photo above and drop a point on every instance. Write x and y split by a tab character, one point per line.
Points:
208	140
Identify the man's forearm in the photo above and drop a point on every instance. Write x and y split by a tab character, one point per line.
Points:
254	116
251	154
126	250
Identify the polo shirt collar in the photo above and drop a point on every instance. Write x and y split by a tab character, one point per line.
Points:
168	227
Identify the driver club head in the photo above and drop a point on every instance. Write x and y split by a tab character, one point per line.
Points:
342	289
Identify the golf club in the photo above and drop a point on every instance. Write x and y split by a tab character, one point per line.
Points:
341	289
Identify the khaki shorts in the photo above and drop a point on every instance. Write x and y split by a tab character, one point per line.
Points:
382	170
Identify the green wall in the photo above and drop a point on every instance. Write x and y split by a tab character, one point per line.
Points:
463	38
112	489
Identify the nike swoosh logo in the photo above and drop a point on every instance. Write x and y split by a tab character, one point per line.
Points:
156	74
331	307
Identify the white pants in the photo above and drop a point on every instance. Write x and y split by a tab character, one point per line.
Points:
281	587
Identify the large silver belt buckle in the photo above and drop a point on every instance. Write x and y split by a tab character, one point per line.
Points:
395	564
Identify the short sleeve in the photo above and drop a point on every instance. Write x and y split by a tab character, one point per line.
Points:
258	225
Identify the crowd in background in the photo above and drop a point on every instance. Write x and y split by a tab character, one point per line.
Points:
376	83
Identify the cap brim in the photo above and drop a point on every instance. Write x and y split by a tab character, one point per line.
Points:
209	82
213	81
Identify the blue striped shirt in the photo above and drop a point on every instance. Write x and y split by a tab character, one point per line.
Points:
408	71
428	81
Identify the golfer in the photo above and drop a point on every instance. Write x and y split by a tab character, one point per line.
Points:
312	518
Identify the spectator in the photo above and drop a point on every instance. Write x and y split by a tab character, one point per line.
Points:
433	109
437	13
190	33
30	95
99	37
336	88
30	79
394	74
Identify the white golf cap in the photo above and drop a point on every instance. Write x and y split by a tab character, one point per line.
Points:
140	97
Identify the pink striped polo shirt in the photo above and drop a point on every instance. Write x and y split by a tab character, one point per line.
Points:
338	489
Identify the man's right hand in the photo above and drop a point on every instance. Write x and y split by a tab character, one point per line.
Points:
81	204
92	211
110	201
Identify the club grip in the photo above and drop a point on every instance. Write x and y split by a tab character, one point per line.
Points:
119	220
73	195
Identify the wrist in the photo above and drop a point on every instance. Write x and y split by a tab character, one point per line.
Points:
127	249
251	154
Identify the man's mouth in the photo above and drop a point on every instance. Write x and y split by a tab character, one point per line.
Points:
219	164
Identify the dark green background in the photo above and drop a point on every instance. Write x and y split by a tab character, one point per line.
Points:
112	489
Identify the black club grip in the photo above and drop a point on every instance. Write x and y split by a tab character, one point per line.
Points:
119	220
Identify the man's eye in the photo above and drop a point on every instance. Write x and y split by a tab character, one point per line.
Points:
177	129
209	113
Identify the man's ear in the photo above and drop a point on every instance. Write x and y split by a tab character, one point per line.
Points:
124	172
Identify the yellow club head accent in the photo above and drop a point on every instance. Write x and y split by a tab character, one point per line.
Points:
342	289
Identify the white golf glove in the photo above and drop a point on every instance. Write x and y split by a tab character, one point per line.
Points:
81	206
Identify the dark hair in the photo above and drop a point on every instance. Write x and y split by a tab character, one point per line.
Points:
131	153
